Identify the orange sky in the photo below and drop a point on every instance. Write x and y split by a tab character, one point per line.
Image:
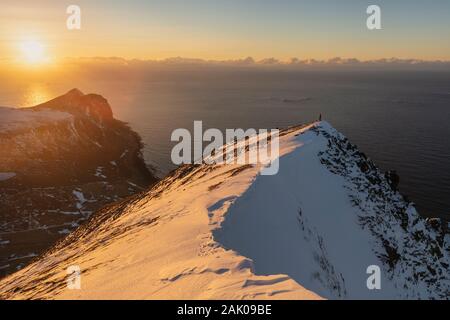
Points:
231	30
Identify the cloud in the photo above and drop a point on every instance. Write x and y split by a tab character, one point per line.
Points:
249	62
98	68
270	61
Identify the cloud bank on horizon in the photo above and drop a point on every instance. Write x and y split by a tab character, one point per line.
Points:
176	67
293	63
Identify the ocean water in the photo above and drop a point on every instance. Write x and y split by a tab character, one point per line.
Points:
399	119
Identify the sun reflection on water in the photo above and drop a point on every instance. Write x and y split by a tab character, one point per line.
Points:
35	94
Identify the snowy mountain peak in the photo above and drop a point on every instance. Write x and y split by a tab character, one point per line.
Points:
226	231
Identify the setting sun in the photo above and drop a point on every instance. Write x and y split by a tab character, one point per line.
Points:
33	52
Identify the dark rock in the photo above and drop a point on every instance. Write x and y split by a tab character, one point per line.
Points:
393	179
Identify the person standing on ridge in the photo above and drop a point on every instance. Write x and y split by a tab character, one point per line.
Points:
320	116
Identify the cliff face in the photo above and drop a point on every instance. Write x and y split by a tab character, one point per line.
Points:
228	232
61	161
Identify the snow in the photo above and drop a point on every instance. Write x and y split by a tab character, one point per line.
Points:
97	144
70	213
228	232
163	248
265	219
20	257
15	119
6	175
133	184
80	198
99	173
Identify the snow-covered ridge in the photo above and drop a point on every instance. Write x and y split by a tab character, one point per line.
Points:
225	231
327	216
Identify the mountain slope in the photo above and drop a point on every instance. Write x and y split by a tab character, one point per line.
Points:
226	231
61	161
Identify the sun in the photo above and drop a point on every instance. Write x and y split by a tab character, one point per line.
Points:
33	52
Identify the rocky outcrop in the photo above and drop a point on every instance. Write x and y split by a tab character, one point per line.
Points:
66	158
79	104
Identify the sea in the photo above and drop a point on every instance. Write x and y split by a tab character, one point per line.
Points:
400	119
